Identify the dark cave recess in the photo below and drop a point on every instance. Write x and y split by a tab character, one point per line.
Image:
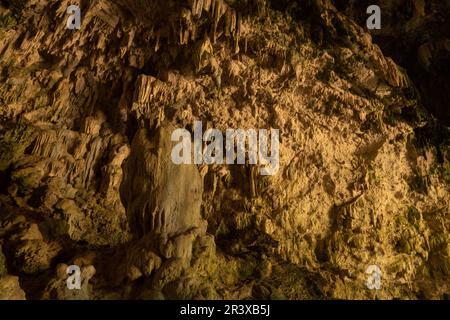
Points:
407	25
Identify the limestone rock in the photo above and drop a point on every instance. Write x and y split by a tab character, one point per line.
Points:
86	175
10	288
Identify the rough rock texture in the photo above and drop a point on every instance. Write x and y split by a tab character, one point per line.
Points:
417	34
10	289
86	176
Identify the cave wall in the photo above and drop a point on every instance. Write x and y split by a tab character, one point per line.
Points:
86	178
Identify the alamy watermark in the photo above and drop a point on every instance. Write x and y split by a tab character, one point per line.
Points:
374	279
74	279
241	147
74	20
374	20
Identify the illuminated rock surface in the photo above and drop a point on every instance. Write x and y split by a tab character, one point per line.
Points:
86	177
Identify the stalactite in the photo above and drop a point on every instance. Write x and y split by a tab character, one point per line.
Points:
192	4
157	43
44	144
186	37
180	35
213	6
216	9
230	22
237	33
199	8
207	5
233	22
93	156
194	33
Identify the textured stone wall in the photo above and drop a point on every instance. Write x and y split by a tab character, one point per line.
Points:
86	178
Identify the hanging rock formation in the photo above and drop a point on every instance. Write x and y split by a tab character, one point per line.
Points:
86	176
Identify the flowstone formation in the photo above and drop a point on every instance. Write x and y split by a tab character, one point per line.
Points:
86	176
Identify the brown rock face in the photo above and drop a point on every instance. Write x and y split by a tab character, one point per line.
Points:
88	183
10	289
416	34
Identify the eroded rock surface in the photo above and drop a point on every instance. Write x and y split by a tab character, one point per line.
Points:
86	176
